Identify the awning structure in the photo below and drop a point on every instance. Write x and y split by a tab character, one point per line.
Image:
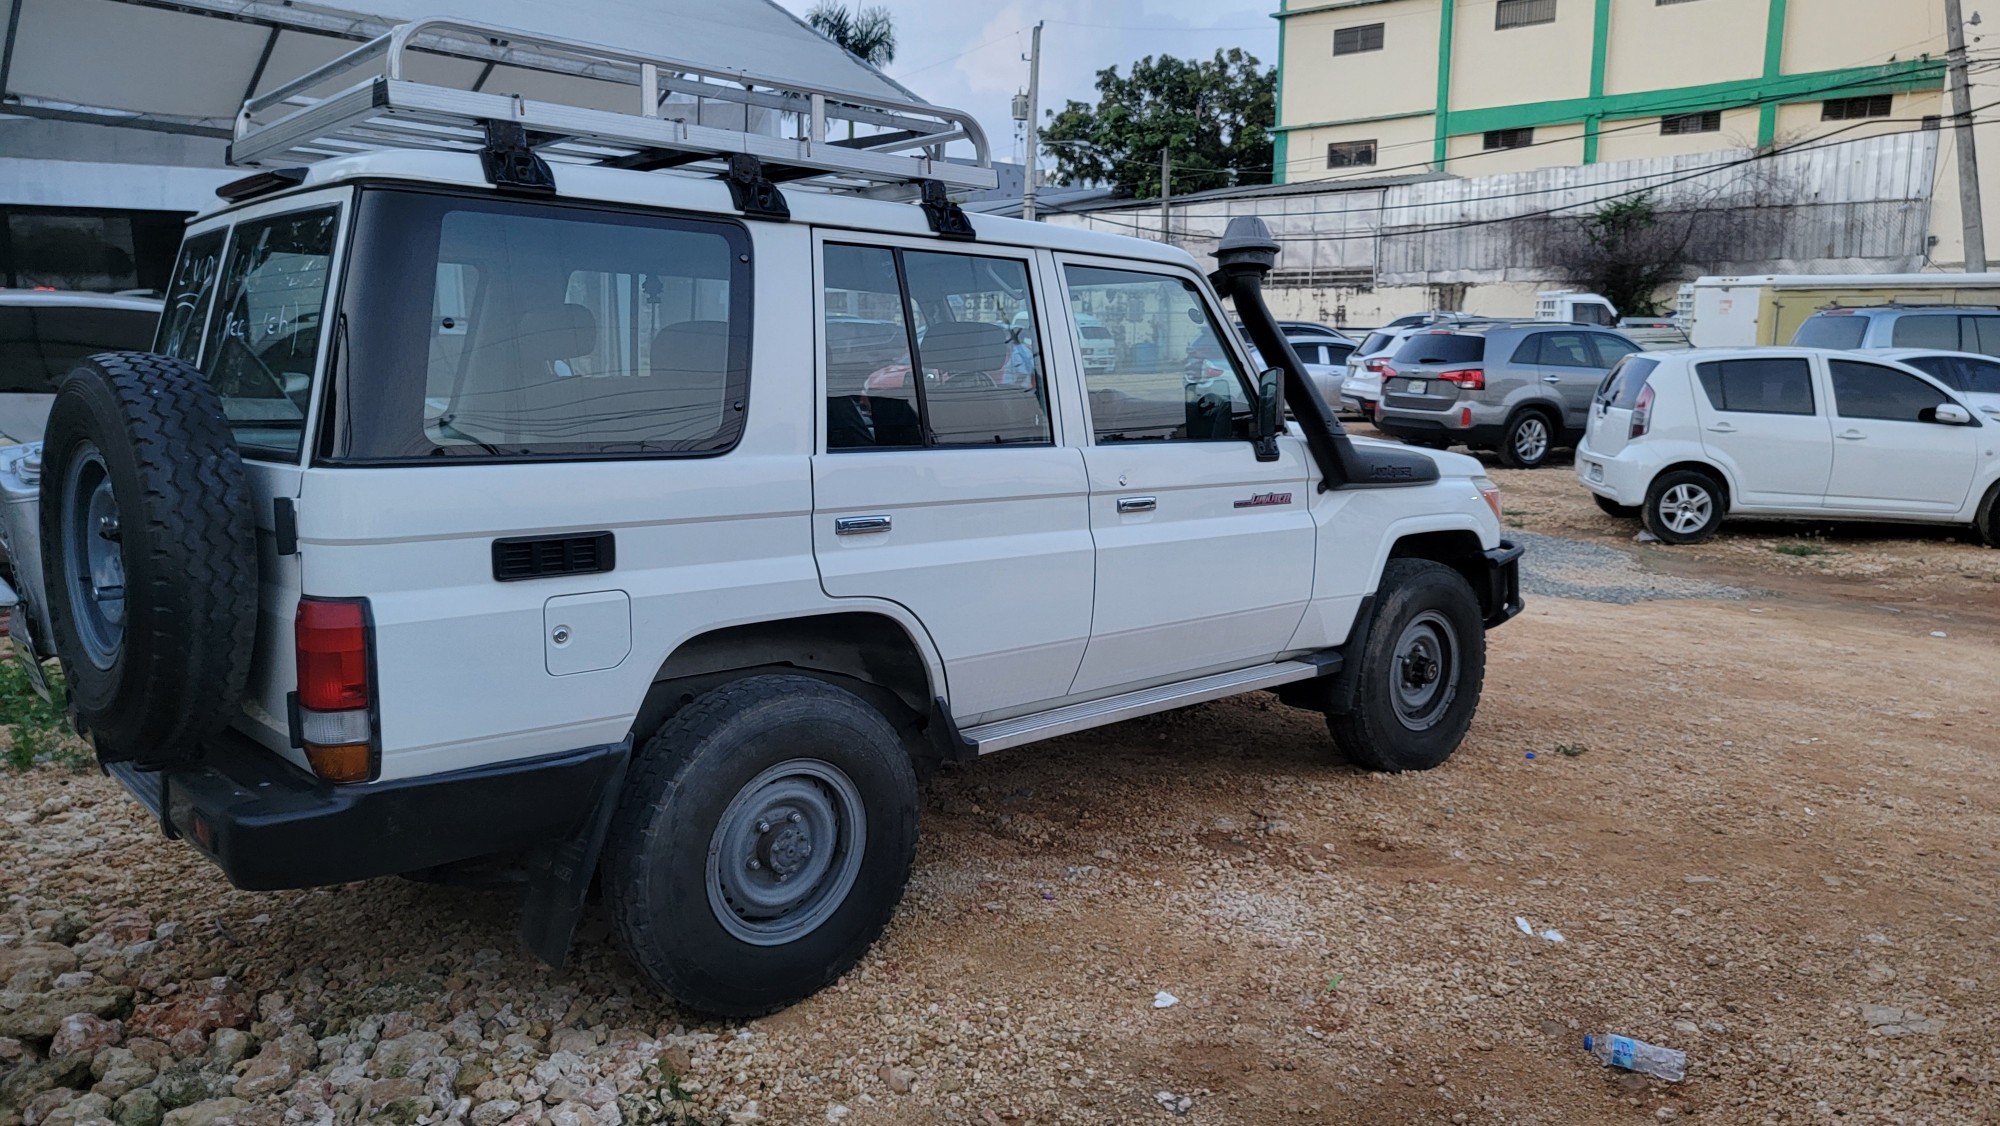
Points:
186	66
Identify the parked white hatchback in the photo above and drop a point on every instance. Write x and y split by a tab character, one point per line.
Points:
1682	439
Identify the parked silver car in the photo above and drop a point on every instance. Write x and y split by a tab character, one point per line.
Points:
1945	328
1325	358
1523	388
43	333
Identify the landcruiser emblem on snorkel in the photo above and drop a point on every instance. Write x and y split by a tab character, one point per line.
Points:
1265	500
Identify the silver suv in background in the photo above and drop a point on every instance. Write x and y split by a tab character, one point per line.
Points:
1522	388
1949	328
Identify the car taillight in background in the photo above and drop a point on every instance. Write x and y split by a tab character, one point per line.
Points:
1642	413
336	719
1468	379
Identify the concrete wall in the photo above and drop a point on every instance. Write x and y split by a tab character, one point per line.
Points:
1554	145
1401	145
1399	78
1827	34
1541	63
1641	137
1659	47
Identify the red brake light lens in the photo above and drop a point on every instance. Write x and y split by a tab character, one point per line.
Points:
332	639
1468	379
1642	413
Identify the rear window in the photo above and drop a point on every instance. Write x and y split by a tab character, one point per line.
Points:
1375	342
496	328
1442	348
40	343
1770	386
1623	383
1831	330
262	344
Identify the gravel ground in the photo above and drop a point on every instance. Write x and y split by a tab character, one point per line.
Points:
1555	567
1765	827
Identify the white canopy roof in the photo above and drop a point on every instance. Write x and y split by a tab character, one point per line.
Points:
187	65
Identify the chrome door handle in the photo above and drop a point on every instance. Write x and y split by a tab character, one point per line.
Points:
860	525
1853	436
1552	379
1138	504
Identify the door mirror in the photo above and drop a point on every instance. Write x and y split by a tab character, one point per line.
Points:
1270	412
1951	413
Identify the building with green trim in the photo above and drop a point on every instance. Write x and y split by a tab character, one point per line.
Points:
1472	87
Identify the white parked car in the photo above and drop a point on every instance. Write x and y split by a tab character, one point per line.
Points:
1683	439
1974	375
474	504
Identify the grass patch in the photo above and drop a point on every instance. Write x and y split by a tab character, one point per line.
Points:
1801	550
37	730
1571	750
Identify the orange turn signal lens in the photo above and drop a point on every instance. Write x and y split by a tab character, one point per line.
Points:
348	762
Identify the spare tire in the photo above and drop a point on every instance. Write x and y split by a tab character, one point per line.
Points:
149	556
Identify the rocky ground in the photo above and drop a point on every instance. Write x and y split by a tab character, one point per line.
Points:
1758	799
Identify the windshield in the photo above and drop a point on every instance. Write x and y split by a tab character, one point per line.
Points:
1831	330
1442	348
39	343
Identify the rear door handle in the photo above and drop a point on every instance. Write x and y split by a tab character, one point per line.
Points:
1138	504
1852	435
860	525
1723	428
1552	379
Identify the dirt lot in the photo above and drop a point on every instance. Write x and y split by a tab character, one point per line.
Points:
1763	818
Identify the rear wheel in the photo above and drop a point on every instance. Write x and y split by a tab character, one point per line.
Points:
762	843
1684	506
1528	440
1987	522
1612	508
1421	670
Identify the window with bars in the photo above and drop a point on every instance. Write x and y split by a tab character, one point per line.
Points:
1523	13
1350	154
1853	109
1708	121
1354	40
1509	138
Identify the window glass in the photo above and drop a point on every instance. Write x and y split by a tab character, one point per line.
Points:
1945	369
871	402
1773	386
1981	334
1611	349
1932	330
1177	380
1979	377
263	340
1530	349
1568	350
1375	343
1441	348
1873	391
1831	330
1338	353
40	343
1350	154
1352	40
189	295
1623	383
548	331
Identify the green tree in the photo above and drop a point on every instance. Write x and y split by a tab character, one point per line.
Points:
1214	117
869	34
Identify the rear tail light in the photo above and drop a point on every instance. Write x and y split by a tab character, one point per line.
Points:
1381	368
336	714
1642	413
1468	379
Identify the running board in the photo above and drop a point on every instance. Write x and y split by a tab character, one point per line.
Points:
1006	733
143	785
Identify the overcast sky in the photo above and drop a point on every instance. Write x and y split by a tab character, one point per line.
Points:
971	55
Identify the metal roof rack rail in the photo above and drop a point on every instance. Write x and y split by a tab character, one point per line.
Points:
891	147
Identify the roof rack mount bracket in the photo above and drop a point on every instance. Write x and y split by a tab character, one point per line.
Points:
511	164
946	218
753	192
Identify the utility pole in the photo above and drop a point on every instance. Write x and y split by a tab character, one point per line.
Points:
1968	157
1167	196
1031	173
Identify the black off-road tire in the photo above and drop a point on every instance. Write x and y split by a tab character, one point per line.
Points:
1519	433
187	541
1673	498
1376	734
1987	522
1612	508
657	872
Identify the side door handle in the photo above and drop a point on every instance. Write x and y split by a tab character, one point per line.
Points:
1723	428
1137	504
1552	379
860	525
1852	435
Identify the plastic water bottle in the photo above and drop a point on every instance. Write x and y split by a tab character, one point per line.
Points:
1669	1064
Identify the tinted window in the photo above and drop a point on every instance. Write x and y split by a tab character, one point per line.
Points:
1568	350
1931	330
189	295
263	340
1773	386
1338	353
1873	391
1980	334
1177	381
1611	349
40	343
1530	349
1979	377
1831	330
1623	383
1442	348
547	331
1945	369
1375	342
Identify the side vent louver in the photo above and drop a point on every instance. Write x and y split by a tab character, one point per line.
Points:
540	557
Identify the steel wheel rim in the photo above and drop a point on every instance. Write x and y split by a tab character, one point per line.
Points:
1531	439
1424	672
93	557
786	852
1686	508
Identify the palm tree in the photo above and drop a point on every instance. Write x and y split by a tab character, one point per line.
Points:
869	34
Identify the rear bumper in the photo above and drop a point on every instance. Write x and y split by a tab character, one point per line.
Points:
1501	599
1617	478
1402	424
269	825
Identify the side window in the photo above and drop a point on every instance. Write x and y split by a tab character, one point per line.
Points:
1979	377
1530	350
1981	334
263	340
1929	330
1177	381
1774	386
1873	391
1611	349
977	379
189	295
1568	350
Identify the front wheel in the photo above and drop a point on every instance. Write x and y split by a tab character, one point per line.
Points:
762	843
1421	670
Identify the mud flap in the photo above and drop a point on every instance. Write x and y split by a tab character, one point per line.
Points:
559	874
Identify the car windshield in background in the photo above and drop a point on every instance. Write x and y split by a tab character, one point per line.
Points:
1442	348
39	343
1831	330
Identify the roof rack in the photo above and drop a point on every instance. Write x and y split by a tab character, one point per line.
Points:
891	146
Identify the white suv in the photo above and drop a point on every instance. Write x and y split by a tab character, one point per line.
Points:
661	528
1683	439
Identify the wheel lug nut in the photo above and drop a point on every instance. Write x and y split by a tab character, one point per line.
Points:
794	818
763	826
755	866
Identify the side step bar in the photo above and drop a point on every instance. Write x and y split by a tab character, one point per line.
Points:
1006	733
144	785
